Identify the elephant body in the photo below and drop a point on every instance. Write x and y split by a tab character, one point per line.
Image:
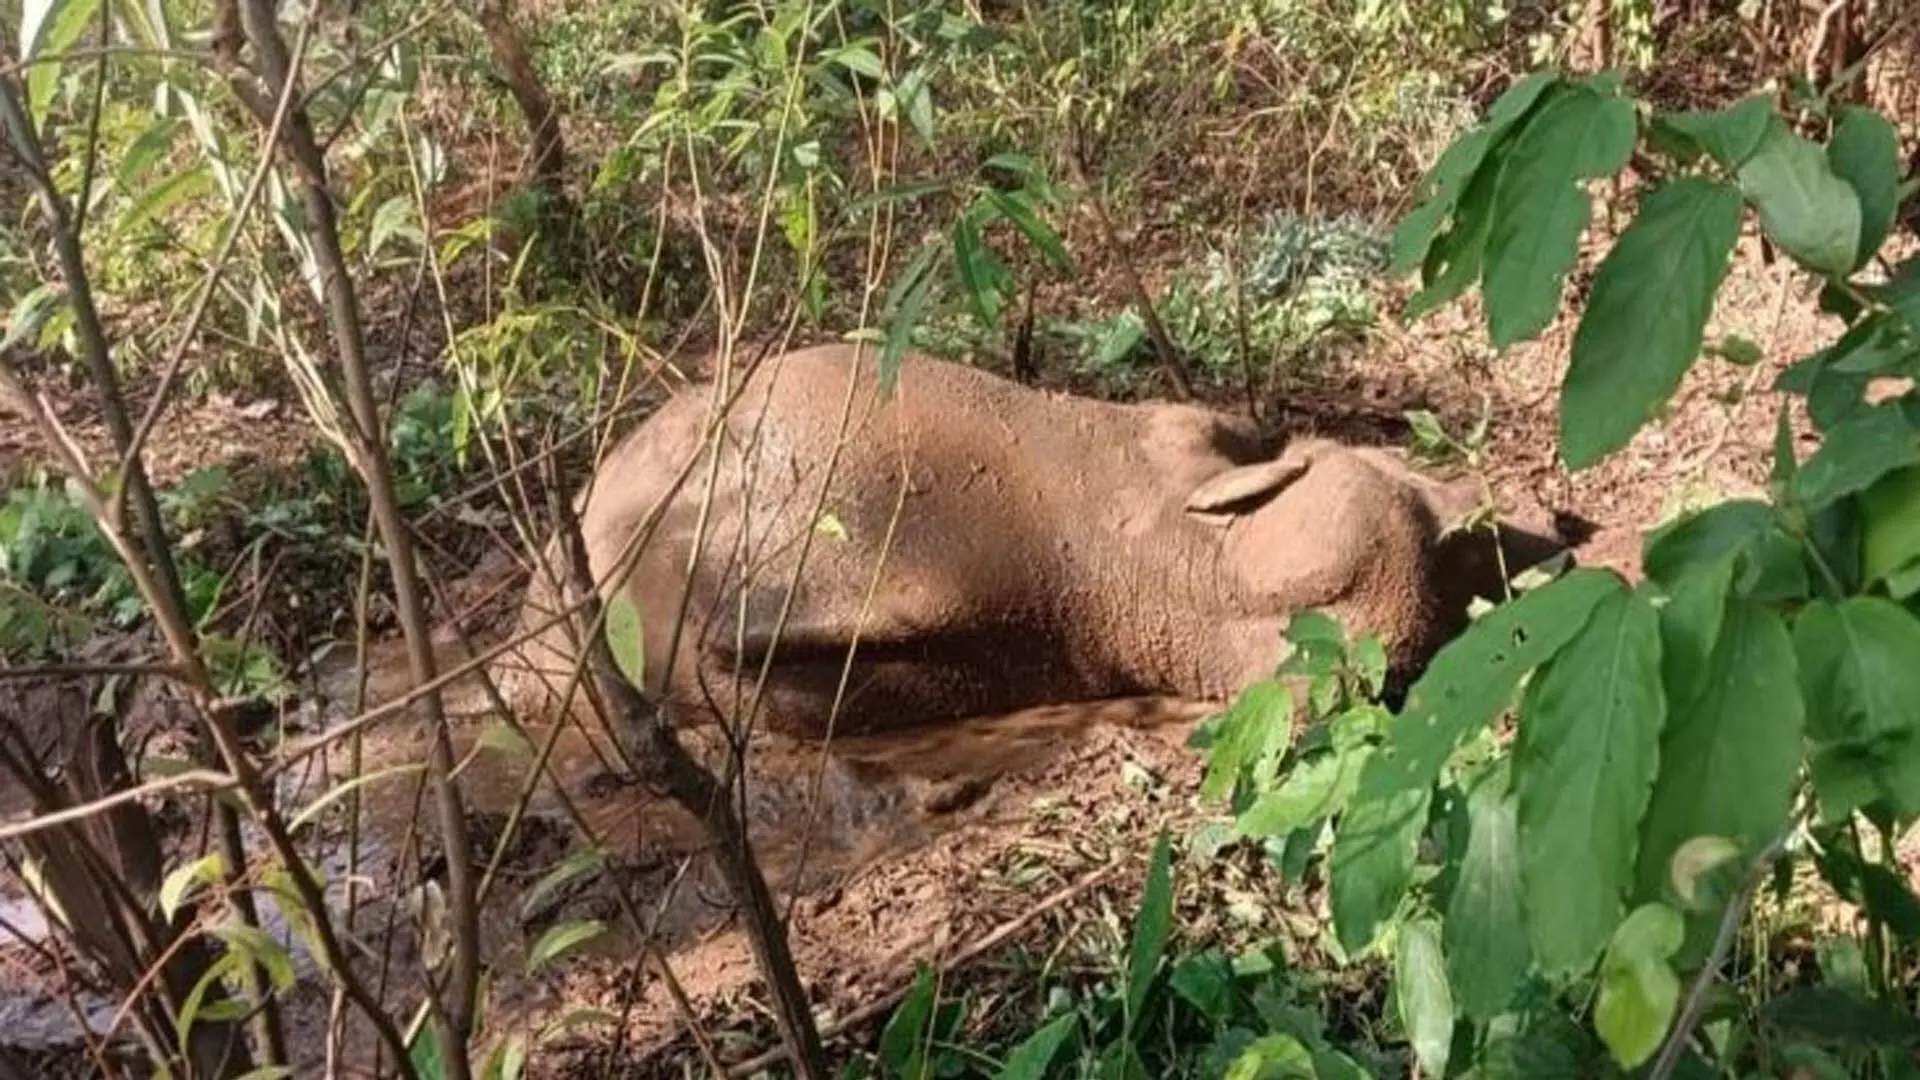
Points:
983	547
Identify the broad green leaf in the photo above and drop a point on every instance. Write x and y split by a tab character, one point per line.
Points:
1865	152
508	1060
393	218
1454	260
1729	754
1584	764
1255	731
1374	848
1647	316
1440	190
1425	1000
1858	669
1486	941
903	1039
1150	929
1273	1057
1809	211
1313	791
624	637
561	939
1031	1059
179	885
1690	624
1472	679
1857	452
1744	529
194	1005
1541	206
1205	981
1891	509
1730	135
1638	988
860	60
1464	687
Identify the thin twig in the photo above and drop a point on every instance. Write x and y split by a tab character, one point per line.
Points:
1696	1002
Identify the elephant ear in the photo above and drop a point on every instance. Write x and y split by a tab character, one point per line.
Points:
1246	483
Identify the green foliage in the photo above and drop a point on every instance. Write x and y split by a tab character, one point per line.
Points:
1750	701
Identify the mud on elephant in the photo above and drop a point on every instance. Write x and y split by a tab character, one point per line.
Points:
978	546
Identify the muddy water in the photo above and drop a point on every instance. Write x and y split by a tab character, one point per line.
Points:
815	815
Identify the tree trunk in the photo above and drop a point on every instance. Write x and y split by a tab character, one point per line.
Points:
546	159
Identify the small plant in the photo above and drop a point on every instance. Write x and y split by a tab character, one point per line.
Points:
1302	283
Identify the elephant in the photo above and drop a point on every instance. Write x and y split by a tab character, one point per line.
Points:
982	546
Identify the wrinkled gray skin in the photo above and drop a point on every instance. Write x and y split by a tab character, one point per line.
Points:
1047	548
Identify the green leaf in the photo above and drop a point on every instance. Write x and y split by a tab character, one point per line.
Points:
561	939
1486	941
903	1040
1254	734
907	301
1472	679
1858	669
1730	752
979	268
31	312
1638	988
1273	1057
1205	981
159	198
1031	1059
1730	135
1426	1001
1647	316
1891	539
1440	190
1455	259
1464	687
624	637
1808	210
1690	624
567	870
260	948
1584	765
1865	152
1541	207
1855	454
49	28
180	884
1740	351
860	60
1698	541
1015	208
393	218
1312	792
1374	849
1150	930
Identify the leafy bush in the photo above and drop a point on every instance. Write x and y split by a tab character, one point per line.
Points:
1748	704
1300	283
